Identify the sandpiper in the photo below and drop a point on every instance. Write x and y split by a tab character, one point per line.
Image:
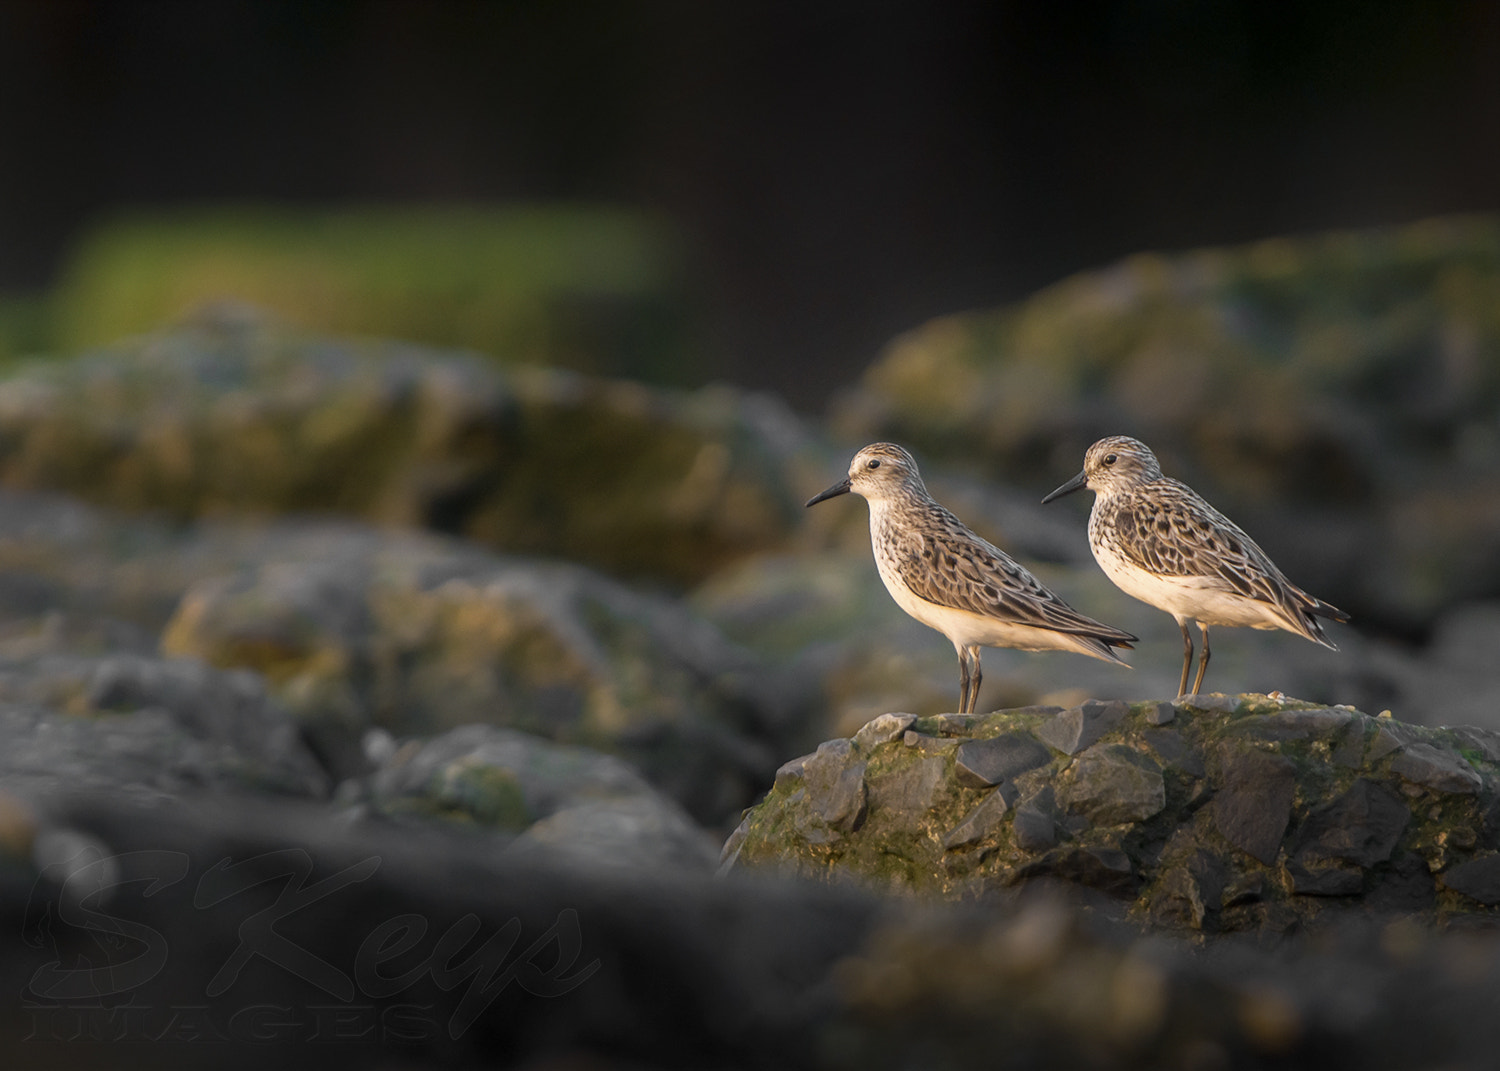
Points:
1160	542
950	579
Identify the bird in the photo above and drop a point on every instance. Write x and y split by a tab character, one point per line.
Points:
951	580
1162	543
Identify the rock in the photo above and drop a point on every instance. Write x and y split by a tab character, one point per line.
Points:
416	635
645	832
1240	818
980	823
499	777
836	791
1342	839
1073	730
884	728
1113	784
1252	808
663	967
909	791
247	418
1161	714
1169	744
1441	771
1191	894
1478	879
146	728
1103	868
569	803
981	763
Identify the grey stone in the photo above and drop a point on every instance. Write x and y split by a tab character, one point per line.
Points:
1342	839
418	635
1405	884
1192	891
979	763
500	778
1161	714
1252	808
645	832
1111	785
1386	741
836	786
1478	879
1318	720
1073	730
928	745
1348	745
1174	750
1214	703
883	729
1438	769
146	728
980	822
1485	741
1099	867
1246	889
1035	823
911	789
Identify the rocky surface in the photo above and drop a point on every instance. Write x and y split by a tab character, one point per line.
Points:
569	802
234	936
1335	395
145	728
1216	814
233	415
416	635
450	790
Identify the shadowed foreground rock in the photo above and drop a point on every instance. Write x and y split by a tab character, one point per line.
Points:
241	936
1220	813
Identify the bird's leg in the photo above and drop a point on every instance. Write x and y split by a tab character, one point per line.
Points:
1187	657
975	678
1203	660
963	680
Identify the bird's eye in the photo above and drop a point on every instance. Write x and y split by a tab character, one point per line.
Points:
1109	459
874	462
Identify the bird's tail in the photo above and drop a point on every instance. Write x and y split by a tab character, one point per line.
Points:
1310	609
1102	646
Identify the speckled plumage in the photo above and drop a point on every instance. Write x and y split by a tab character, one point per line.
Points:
951	580
1160	542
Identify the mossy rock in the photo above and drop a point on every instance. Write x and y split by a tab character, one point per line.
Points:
418	635
1217	813
234	415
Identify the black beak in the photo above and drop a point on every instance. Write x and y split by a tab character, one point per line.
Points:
1077	483
840	488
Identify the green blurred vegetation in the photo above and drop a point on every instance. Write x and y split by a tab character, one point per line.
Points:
593	288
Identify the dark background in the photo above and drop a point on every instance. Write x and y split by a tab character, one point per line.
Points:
841	170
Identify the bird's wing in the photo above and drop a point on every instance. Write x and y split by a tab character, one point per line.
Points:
1173	531
944	562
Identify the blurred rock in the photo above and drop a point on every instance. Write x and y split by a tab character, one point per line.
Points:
1336	395
417	635
1245	822
417	950
591	809
231	414
146	728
